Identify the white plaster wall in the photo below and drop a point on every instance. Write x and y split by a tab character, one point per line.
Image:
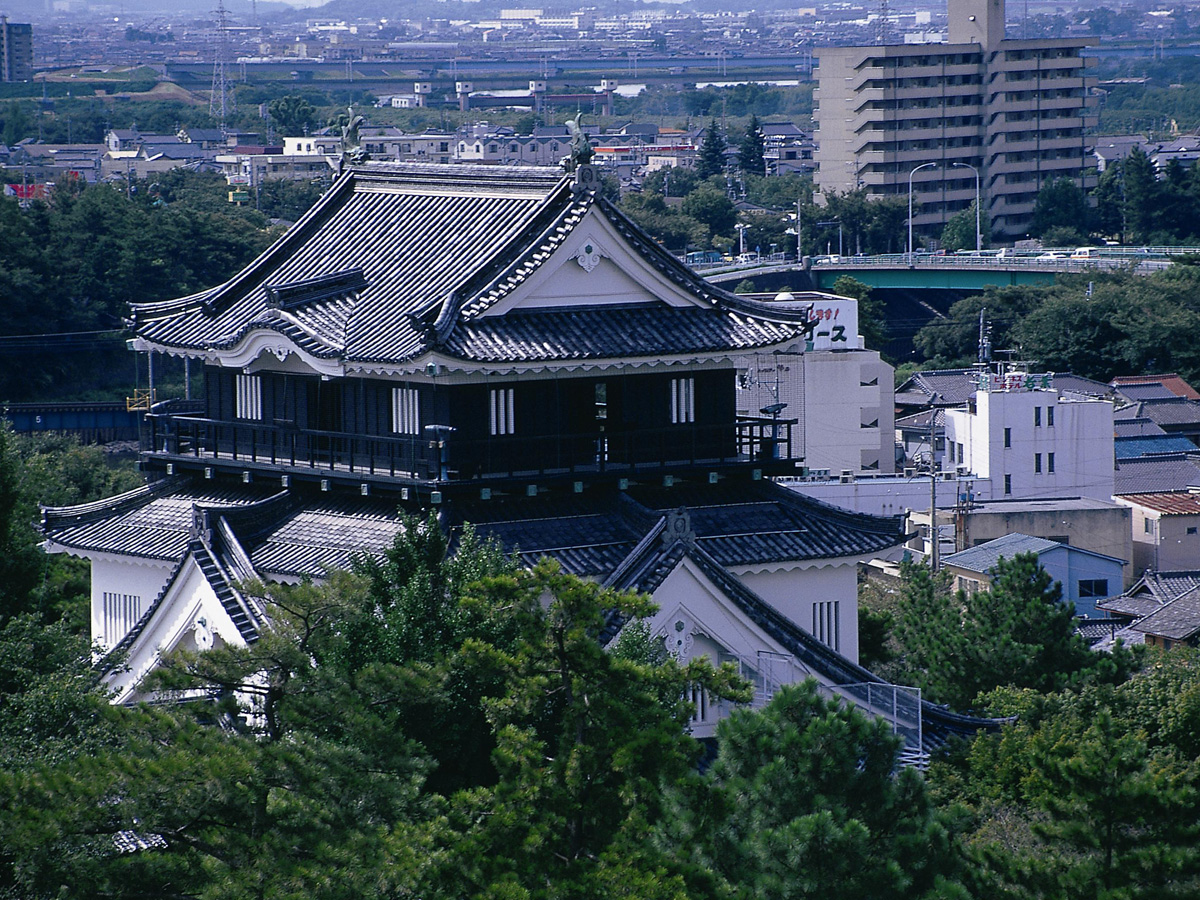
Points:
176	626
793	592
837	406
892	496
141	578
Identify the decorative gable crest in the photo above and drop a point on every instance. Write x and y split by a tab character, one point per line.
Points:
589	255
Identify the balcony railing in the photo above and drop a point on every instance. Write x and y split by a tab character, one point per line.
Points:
441	456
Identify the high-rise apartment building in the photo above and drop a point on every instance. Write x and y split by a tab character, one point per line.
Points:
16	51
1015	112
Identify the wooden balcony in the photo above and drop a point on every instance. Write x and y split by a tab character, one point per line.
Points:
439	457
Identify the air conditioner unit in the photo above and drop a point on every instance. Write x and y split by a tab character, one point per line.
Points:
910	472
949	476
963	470
847	477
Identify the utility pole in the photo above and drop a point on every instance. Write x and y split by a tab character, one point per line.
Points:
934	561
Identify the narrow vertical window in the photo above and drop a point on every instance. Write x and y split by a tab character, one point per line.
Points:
683	400
1007	437
1037	463
826	624
1049	416
1037	417
501	405
1008	484
249	397
1049	462
406	411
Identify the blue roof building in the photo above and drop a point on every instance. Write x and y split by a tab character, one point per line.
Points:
1086	577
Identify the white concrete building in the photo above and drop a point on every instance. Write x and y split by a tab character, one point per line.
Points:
840	392
1033	441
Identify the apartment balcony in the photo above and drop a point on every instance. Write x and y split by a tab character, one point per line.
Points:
865	76
439	457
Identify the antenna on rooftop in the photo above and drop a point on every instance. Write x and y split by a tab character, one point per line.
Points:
985	339
220	100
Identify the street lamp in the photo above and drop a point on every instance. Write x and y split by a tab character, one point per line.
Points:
741	227
978	233
910	182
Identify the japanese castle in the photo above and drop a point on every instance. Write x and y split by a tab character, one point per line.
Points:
504	346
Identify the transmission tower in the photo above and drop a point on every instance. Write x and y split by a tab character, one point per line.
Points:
220	100
882	30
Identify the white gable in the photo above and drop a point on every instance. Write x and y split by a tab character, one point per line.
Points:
691	607
594	267
188	617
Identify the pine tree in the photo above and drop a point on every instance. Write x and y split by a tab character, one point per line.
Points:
711	158
752	151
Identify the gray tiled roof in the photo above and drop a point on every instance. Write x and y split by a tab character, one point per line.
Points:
1168	412
1151	592
152	522
285	534
985	556
1153	474
1135	427
1178	620
738	525
433	248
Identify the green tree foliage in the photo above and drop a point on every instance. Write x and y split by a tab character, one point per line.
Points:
1084	794
872	324
281	198
585	740
305	777
293	115
710	160
737	100
1019	633
866	224
672	182
959	233
667	224
805	800
1060	204
712	208
752	149
103	232
1097	325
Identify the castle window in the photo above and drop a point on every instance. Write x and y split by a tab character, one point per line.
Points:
683	400
249	397
501	407
825	625
406	411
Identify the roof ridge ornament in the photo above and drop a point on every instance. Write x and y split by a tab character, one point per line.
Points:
580	159
678	528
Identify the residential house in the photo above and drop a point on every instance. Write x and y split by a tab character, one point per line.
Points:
1161	609
1086	577
1166	529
